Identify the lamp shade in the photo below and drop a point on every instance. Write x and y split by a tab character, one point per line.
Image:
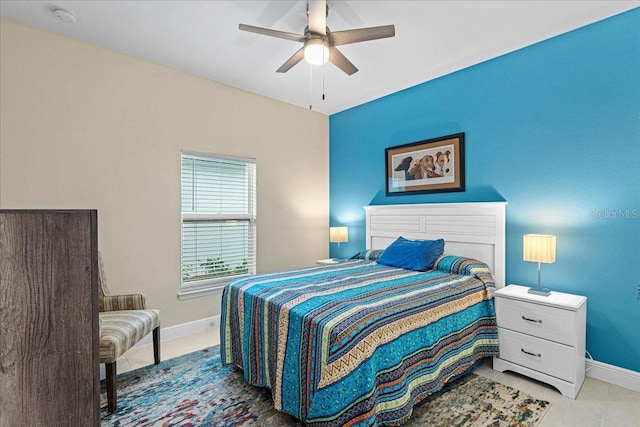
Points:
539	248
338	234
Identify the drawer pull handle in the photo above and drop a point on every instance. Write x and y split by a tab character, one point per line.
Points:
532	320
529	353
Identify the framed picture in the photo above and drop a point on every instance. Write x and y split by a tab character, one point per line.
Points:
430	166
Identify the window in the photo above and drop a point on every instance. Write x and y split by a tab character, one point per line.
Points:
218	221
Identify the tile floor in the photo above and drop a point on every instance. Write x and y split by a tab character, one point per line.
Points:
598	403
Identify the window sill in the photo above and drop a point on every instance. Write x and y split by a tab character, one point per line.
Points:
206	287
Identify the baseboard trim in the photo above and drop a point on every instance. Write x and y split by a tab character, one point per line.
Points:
612	374
184	329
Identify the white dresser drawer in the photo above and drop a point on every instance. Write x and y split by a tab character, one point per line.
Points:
551	323
554	359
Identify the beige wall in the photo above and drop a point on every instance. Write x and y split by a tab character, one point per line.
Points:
86	127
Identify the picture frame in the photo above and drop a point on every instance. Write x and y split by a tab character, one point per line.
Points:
431	166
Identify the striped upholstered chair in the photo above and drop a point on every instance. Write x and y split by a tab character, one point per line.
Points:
124	320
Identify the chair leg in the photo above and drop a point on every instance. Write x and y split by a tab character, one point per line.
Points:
156	345
111	386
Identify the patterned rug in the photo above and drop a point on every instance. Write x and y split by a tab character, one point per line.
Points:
196	390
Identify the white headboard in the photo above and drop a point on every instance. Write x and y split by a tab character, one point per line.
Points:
474	230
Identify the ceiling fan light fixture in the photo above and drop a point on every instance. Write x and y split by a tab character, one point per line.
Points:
316	51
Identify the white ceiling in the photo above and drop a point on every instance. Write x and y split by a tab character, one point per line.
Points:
433	38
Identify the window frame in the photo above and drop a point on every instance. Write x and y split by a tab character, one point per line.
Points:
209	286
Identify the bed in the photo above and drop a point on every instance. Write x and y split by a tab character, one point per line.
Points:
359	342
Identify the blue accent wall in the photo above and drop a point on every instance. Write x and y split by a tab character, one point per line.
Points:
553	129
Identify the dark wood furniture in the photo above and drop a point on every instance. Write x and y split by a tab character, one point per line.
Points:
49	360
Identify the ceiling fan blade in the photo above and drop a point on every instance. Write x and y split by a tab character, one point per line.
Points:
297	57
362	34
339	60
318	16
272	33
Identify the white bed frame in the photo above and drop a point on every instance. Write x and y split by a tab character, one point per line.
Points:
474	230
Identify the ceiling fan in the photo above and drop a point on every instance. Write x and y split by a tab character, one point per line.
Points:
319	44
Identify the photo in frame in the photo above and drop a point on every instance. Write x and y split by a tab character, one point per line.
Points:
429	166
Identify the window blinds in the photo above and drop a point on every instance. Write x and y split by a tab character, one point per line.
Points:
218	218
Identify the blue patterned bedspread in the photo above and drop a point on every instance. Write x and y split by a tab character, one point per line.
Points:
358	343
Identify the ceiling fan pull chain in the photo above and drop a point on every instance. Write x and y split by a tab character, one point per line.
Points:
310	87
323	82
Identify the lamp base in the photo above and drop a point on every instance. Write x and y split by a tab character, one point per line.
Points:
544	292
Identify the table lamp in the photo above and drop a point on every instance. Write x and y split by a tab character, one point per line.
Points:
338	235
540	248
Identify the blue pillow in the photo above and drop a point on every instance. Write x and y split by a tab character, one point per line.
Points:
416	255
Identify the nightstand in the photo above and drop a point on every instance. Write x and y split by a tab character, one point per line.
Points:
542	337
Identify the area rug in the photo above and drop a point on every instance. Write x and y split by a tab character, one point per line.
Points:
196	390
